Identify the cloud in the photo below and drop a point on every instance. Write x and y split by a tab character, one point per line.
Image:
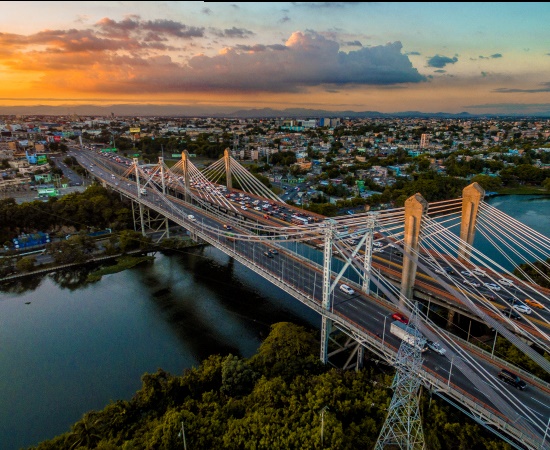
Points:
440	61
440	71
130	56
354	44
134	24
234	32
545	88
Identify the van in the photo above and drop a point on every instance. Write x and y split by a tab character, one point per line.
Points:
512	378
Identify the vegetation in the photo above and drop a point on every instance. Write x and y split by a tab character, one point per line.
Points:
122	263
96	207
535	273
271	400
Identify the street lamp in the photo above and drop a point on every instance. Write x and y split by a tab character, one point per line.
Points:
322	413
384	332
450	370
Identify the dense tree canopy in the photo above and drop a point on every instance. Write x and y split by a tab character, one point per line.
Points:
270	401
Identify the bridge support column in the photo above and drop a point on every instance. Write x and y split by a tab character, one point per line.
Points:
472	195
142	220
227	159
186	178
326	327
367	262
450	319
415	207
161	163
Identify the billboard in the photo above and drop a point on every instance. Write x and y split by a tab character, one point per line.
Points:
135	130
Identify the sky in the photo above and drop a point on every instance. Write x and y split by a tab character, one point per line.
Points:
481	58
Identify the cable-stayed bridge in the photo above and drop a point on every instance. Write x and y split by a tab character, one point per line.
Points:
389	259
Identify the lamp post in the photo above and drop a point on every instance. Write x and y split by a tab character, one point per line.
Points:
450	370
322	413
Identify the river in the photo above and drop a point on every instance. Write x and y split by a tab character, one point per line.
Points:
67	347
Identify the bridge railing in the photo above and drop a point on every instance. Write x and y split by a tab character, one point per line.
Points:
374	342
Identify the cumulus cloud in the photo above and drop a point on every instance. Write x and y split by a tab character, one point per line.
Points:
440	61
130	56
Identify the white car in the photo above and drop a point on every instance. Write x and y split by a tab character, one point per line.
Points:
436	347
492	286
479	273
466	273
472	283
520	307
244	208
191	217
377	244
505	282
345	288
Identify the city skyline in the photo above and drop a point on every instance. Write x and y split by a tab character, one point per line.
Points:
483	58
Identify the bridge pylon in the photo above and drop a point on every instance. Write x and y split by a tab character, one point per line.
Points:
186	177
415	207
228	176
403	426
326	327
472	195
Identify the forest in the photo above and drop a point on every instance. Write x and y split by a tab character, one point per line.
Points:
272	400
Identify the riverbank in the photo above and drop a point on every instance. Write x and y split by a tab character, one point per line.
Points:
523	190
128	260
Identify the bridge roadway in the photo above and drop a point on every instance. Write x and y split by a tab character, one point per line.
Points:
364	318
389	263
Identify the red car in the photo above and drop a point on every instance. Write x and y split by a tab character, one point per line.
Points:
400	317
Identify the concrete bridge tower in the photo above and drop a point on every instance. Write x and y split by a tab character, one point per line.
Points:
186	179
227	158
472	195
415	207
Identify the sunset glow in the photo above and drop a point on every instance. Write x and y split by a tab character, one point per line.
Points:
385	57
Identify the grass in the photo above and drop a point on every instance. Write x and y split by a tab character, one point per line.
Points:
523	190
122	263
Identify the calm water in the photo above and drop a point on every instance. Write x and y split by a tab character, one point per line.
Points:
75	347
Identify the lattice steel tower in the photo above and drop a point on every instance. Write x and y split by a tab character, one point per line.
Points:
403	426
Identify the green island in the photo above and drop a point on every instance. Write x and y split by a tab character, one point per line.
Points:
122	263
272	400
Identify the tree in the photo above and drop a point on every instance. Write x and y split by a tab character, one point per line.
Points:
25	264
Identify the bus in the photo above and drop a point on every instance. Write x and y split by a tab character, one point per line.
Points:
299	220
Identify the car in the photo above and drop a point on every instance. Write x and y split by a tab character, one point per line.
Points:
377	250
479	273
345	288
512	378
511	313
505	282
400	317
436	347
471	283
467	273
397	253
268	254
377	244
534	303
440	271
492	286
449	270
244	208
191	217
522	308
228	227
273	251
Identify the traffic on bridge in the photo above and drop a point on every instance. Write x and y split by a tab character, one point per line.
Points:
368	272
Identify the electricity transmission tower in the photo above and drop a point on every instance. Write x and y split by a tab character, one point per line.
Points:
403	426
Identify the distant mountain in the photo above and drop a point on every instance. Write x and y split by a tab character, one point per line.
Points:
160	110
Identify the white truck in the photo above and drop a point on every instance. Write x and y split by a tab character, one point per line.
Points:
400	330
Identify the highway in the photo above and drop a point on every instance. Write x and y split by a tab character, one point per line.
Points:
360	311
